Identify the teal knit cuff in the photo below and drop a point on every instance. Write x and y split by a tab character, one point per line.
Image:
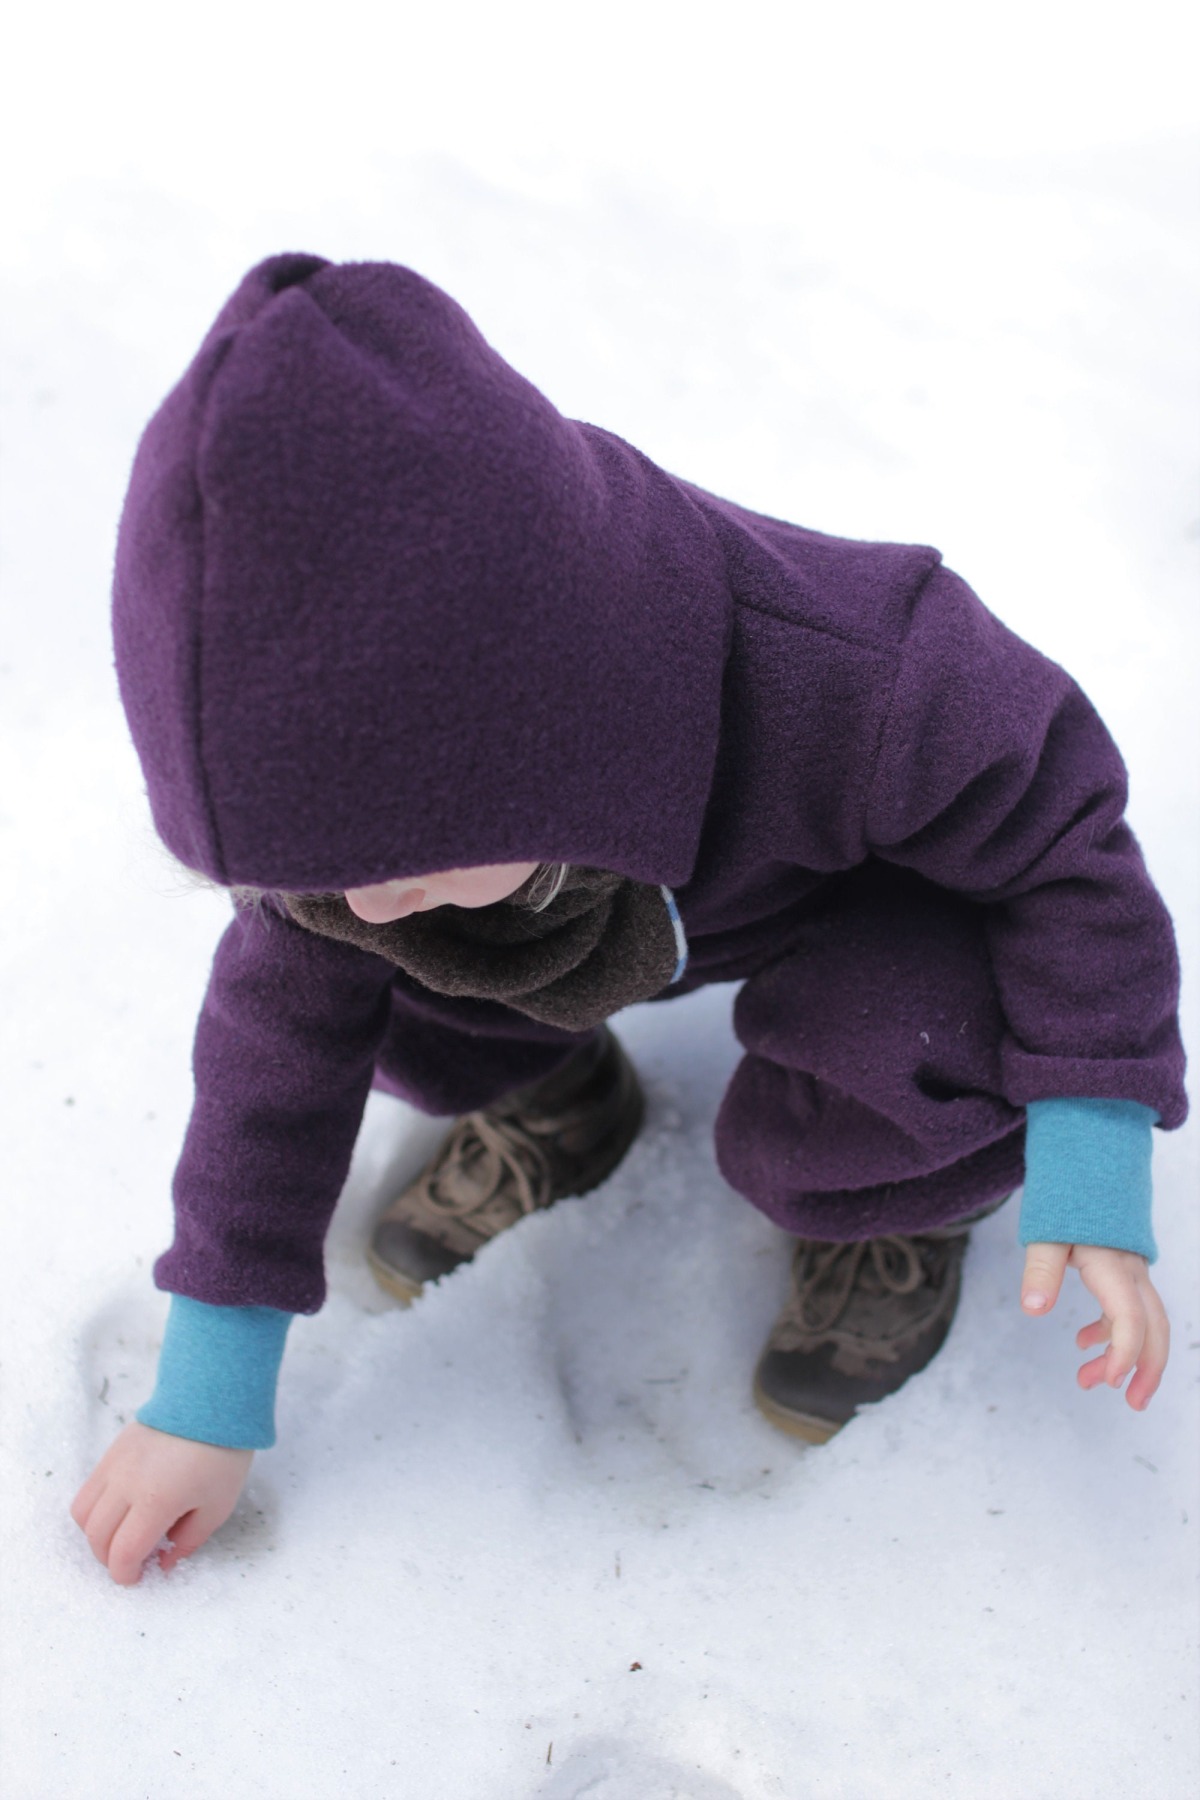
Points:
217	1374
1087	1174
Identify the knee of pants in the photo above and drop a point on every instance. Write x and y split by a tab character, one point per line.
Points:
873	1055
453	1056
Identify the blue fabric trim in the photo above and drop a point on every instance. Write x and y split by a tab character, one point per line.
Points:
681	945
217	1374
1087	1174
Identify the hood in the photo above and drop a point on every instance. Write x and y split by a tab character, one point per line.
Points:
380	610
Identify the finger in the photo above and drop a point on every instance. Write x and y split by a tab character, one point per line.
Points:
85	1500
140	1530
87	1497
1111	1369
104	1521
1124	1298
1045	1266
1128	1336
1092	1373
1153	1359
186	1535
1098	1332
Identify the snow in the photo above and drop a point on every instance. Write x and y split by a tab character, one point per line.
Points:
876	269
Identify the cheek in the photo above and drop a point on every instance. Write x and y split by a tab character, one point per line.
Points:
385	903
483	887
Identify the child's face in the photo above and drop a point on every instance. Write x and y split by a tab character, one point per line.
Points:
390	900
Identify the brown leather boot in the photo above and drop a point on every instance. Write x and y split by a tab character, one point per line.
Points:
560	1136
861	1319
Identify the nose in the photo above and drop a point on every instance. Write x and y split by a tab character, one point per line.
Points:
386	902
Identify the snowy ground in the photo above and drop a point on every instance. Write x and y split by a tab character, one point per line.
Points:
891	280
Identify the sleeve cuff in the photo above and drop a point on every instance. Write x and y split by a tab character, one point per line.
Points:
217	1374
1087	1174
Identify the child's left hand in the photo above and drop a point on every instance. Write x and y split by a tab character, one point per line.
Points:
1133	1320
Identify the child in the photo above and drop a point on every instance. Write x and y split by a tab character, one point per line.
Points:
494	728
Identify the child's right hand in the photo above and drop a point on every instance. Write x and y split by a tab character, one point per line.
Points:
1133	1322
150	1485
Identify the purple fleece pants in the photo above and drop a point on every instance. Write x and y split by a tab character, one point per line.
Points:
868	1099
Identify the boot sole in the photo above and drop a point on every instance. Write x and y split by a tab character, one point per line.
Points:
405	1289
392	1281
805	1426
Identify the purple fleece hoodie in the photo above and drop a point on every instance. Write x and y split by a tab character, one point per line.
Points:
380	610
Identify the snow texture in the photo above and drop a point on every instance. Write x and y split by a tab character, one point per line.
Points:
870	268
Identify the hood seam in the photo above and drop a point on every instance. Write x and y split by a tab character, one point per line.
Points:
203	413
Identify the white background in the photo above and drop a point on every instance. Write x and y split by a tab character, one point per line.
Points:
925	273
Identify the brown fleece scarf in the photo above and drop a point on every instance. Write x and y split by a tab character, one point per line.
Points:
602	943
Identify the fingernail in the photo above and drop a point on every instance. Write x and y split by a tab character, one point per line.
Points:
1035	1302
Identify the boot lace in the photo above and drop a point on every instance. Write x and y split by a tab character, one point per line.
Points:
826	1276
485	1157
494	1169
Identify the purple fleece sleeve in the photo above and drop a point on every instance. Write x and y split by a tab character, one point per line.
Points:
996	778
284	1056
